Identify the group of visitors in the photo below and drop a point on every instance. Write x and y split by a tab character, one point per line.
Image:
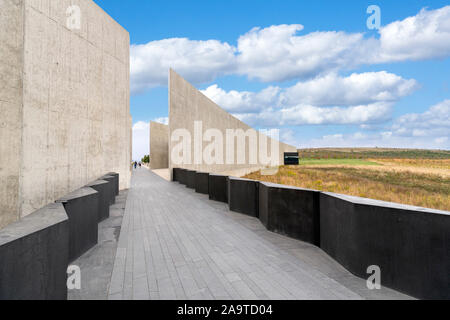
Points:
136	164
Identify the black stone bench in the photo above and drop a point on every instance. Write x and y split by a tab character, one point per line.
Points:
34	255
243	196
112	187
218	187
201	182
409	244
190	179
82	209
290	211
116	181
104	190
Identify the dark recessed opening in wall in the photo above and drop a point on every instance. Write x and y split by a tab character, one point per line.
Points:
291	158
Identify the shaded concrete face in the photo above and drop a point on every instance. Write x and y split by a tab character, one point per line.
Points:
34	256
64	105
243	196
202	182
188	105
159	145
218	187
290	211
82	209
409	244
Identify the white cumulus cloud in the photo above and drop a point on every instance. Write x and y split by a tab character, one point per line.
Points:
357	99
428	130
281	52
198	61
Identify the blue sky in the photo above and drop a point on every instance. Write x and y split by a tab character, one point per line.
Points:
313	69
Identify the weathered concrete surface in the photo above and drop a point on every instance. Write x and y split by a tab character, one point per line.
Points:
64	102
176	244
34	254
97	264
290	211
159	145
82	209
409	244
243	196
163	173
187	105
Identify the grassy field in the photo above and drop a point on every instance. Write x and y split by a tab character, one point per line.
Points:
423	182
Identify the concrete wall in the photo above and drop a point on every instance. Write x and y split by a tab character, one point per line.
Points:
65	104
290	211
11	67
159	145
187	105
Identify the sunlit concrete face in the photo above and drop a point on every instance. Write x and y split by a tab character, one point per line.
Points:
191	111
159	145
65	103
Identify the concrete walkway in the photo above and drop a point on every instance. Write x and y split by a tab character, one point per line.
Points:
176	244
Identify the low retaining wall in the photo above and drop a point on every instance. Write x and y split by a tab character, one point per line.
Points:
34	255
116	182
202	182
218	187
176	174
112	188
243	196
290	211
181	176
104	190
82	209
410	245
190	179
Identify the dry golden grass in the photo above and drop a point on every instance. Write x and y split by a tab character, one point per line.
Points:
385	182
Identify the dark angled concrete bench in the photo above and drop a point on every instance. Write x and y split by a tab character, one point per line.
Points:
181	176
201	182
218	187
290	211
409	244
243	196
116	181
81	207
112	187
103	188
34	255
190	179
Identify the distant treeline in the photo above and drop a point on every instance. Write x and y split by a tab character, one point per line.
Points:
367	153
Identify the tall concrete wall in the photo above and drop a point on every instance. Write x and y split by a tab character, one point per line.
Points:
65	104
159	145
187	105
11	83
